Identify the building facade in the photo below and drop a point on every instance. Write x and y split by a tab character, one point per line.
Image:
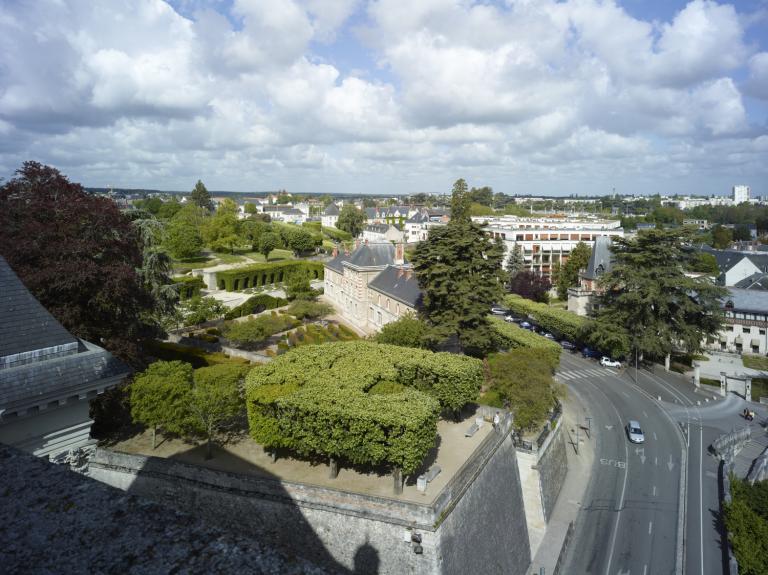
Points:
746	322
547	241
740	194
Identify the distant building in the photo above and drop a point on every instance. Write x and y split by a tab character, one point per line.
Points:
740	194
746	321
330	216
383	233
47	375
701	225
581	299
736	266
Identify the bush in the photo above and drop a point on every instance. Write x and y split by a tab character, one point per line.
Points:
302	309
193	355
408	331
268	273
255	304
559	321
523	377
746	519
511	336
213	331
189	286
317	400
256	330
337	235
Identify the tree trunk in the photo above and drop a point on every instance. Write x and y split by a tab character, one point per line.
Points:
397	476
334	472
208	449
154	436
666	362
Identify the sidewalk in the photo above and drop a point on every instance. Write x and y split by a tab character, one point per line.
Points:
571	495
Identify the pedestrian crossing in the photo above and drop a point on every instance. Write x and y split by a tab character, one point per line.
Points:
578	373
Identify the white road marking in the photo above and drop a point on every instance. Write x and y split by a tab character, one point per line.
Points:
654	436
655	460
645	415
654	491
650	527
645	569
701	504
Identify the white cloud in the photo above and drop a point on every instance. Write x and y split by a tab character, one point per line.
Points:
757	85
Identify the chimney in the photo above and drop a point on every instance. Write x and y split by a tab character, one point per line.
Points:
408	274
357	243
335	251
400	272
399	254
366	241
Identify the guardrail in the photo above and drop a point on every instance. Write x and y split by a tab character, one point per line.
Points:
728	443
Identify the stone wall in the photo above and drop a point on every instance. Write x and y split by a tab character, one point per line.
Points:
476	522
553	467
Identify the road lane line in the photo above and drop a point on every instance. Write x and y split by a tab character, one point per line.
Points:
654	491
645	415
645	569
701	502
650	527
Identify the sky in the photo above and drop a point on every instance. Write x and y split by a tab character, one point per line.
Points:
389	97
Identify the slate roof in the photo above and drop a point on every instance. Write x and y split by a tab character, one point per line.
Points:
417	218
397	285
371	213
367	255
601	260
757	281
377	228
748	300
25	325
42	381
331	210
726	259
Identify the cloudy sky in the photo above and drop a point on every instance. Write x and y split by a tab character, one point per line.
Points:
389	96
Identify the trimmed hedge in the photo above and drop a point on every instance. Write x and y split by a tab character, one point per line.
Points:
337	235
512	336
189	286
256	304
258	275
168	351
553	319
317	400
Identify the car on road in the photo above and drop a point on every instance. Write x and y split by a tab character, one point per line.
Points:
526	325
608	362
565	344
498	310
548	335
510	319
634	433
587	353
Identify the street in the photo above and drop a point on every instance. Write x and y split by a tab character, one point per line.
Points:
652	507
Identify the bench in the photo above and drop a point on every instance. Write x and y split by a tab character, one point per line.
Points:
433	472
472	430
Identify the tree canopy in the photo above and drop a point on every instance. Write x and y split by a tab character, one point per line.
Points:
200	196
650	303
530	285
568	275
351	220
459	270
79	257
408	331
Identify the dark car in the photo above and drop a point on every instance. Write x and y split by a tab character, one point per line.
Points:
565	344
587	352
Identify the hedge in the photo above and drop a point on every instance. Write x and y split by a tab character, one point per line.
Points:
557	320
168	351
337	235
189	286
256	304
512	336
258	275
317	400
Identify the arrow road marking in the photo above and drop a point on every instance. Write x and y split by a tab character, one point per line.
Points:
650	527
609	427
670	465
641	452
654	491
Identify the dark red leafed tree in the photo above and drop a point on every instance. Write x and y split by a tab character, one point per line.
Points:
531	286
78	255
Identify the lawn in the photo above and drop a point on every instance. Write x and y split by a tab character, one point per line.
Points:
755	361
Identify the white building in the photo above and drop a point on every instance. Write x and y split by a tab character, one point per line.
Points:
377	233
330	216
746	321
740	194
547	241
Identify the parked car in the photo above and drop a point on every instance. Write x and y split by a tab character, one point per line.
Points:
548	335
565	344
498	310
608	362
526	325
587	353
634	433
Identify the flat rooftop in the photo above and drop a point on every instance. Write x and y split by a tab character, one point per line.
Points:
245	456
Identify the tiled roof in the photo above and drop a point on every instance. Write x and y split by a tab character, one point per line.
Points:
399	285
25	325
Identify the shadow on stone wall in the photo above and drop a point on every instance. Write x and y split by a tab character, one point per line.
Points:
274	520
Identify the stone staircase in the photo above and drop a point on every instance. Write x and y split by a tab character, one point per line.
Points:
751	450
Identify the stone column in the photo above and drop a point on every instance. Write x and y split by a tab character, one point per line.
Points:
748	389
722	383
696	374
666	362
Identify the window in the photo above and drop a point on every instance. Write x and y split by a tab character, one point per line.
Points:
745	330
762	332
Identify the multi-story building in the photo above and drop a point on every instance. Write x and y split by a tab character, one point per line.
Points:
746	322
547	241
740	194
701	225
330	216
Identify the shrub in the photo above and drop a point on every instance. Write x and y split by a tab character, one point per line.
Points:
189	286
337	235
746	519
556	320
317	400
213	331
255	330
408	331
193	355
302	309
268	273
511	336
255	304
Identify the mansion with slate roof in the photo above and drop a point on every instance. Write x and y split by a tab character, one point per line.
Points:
372	285
47	376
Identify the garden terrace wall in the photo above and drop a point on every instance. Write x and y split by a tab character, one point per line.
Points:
259	275
189	286
560	321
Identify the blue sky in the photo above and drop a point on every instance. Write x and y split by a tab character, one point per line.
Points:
389	96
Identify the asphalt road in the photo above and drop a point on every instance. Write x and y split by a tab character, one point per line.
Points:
630	521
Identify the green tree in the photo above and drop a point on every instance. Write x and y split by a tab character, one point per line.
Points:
569	273
251	231
215	401
304	309
267	242
250	208
721	237
351	220
515	262
220	232
182	238
159	396
255	330
459	270
196	309
169	209
461	201
741	233
300	240
297	287
200	196
482	196
650	302
530	285
408	331
705	263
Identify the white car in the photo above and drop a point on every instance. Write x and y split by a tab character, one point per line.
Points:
608	362
634	432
